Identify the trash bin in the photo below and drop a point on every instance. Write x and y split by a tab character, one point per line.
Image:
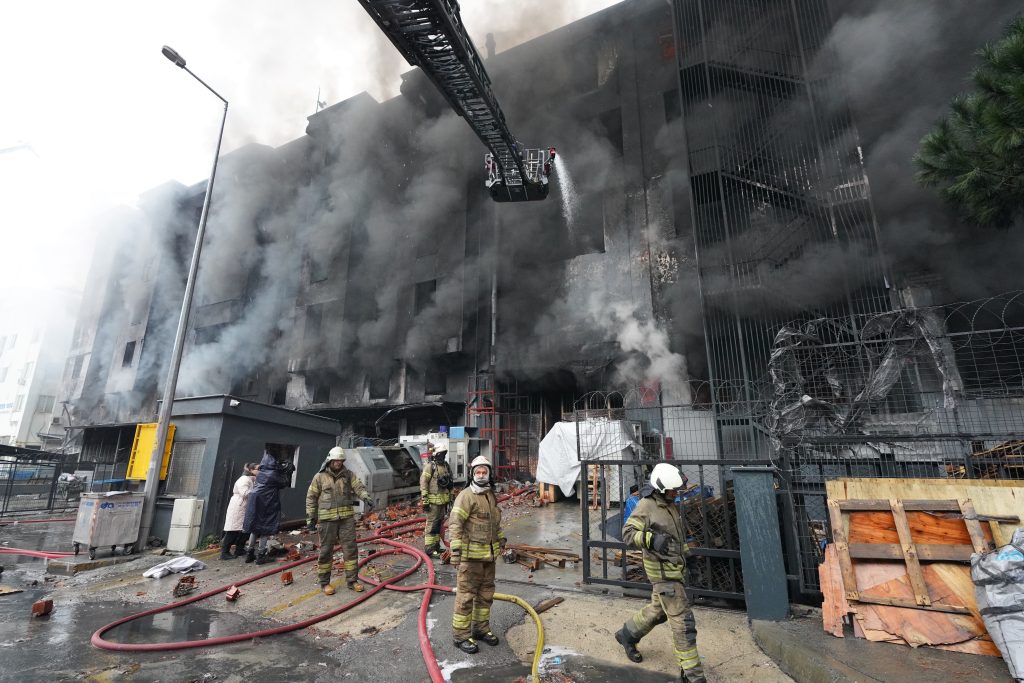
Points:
108	519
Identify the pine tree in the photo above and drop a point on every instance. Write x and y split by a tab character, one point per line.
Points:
975	156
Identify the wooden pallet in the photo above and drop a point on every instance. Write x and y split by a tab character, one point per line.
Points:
911	553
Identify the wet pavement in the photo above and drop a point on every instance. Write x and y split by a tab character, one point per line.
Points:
376	641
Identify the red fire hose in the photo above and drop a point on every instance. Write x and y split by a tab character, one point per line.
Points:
429	658
44	554
6	522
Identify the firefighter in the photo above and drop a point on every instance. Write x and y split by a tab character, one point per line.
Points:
477	540
435	495
656	528
329	502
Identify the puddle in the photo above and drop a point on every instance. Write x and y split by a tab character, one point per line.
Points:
57	646
558	669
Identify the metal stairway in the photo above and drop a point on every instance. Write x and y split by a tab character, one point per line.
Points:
430	35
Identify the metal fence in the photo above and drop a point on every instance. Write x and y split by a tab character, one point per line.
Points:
30	483
928	392
617	447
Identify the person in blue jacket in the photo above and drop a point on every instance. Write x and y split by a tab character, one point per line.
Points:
634	498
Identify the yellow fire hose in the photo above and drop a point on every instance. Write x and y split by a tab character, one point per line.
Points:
539	648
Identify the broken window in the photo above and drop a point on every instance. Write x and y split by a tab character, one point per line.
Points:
278	398
76	369
611	123
129	355
380	383
314	320
322	393
434	381
209	334
319	267
672	108
423	295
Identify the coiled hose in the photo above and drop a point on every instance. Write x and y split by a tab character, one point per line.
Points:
421	559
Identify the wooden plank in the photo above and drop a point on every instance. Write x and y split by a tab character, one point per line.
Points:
973	526
842	550
912	604
910	505
899	516
926	528
948	584
932	552
834	607
991	497
997	534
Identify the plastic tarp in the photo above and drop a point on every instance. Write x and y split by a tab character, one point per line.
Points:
998	579
870	360
179	565
559	464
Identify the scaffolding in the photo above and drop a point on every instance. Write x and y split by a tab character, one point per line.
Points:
504	415
779	199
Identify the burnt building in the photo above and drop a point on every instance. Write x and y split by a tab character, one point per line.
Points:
714	186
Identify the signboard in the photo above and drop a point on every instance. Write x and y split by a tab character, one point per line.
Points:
142	450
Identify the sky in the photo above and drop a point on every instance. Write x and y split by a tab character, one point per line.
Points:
104	116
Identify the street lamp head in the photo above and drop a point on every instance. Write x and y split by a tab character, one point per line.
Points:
173	56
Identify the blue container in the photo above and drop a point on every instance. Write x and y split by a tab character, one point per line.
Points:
457	433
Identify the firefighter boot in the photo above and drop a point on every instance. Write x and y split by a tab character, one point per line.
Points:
325	584
250	555
468	646
263	556
692	678
488	638
628	643
355	586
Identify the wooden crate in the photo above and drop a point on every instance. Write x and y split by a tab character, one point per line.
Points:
549	492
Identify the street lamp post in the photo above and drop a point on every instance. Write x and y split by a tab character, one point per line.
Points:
171	383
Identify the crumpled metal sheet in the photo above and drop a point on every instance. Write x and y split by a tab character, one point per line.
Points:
851	375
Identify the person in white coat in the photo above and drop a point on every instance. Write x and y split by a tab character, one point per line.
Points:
235	518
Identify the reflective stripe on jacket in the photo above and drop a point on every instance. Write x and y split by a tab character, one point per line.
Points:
657	515
430	492
331	496
474	526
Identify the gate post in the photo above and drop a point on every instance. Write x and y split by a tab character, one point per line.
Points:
764	572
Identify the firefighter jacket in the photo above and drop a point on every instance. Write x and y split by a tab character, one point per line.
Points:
431	490
474	526
657	515
331	496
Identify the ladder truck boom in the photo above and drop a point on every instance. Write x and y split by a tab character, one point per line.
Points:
430	34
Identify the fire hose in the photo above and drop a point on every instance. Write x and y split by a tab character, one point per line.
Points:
43	554
8	522
429	658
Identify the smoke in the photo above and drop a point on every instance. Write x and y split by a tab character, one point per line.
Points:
900	65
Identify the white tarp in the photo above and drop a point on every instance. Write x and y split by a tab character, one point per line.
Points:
179	565
559	464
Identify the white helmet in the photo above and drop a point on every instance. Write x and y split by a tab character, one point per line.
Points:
665	476
479	460
336	453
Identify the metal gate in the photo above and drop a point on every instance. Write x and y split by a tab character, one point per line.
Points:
708	509
29	482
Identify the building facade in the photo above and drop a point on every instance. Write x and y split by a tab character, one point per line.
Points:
717	181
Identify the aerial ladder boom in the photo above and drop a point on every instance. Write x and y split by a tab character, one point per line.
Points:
430	34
